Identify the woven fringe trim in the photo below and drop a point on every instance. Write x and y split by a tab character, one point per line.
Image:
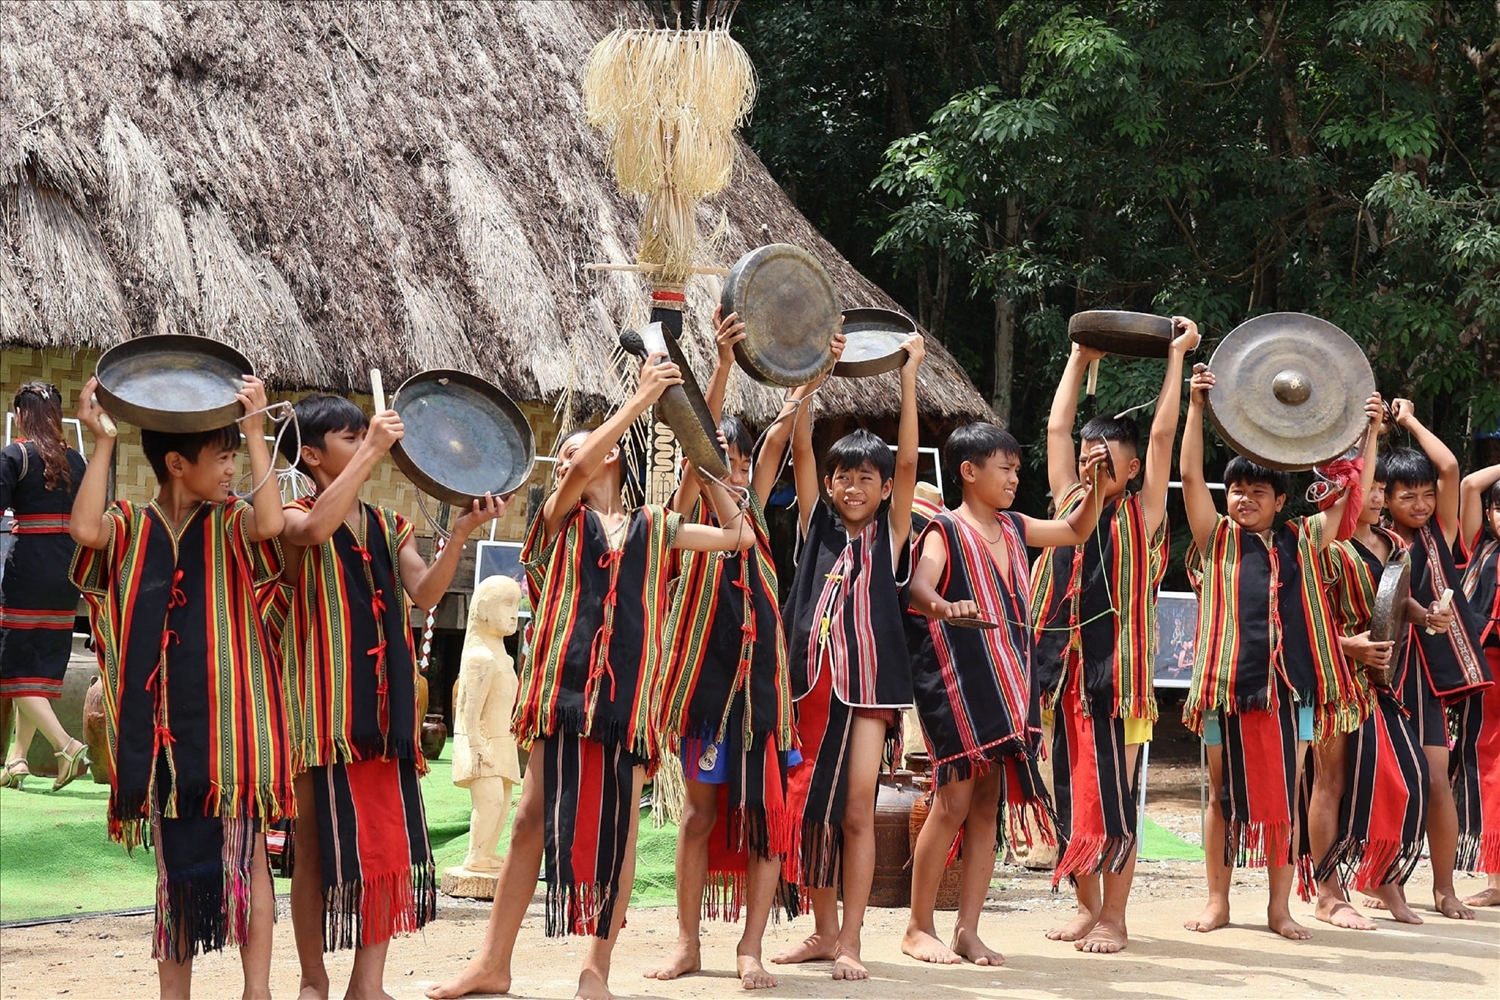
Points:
819	847
766	833
724	896
582	909
1307	886
1029	821
535	725
1372	865
340	750
1339	718
368	911
202	913
1479	853
1094	856
1257	845
128	813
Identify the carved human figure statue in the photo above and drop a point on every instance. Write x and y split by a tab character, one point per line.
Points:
484	752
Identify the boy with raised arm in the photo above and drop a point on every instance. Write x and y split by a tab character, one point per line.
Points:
850	669
1268	675
363	869
729	702
588	704
194	711
976	694
1094	606
1444	665
1476	767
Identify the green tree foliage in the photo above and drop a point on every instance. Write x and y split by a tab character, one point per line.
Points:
1003	165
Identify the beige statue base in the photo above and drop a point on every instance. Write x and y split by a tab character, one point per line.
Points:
464	884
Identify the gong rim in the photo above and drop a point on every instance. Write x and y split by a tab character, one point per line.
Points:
1310	355
790	310
1122	333
1388	620
202	377
873	342
410	403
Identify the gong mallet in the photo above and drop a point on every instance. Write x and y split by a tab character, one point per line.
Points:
377	390
1443	604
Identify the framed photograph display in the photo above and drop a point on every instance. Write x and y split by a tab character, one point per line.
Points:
1176	638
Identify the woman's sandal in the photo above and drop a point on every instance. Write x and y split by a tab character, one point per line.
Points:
74	762
14	773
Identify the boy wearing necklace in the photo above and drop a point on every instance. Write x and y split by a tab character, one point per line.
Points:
1268	676
363	870
589	698
975	691
197	728
1094	607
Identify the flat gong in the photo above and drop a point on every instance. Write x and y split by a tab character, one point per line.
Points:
786	301
873	339
1388	622
464	437
173	382
1290	390
1127	334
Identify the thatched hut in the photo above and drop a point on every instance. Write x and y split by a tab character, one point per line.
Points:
334	187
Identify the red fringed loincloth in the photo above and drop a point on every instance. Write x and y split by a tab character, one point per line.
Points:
588	794
1095	789
1474	768
1259	793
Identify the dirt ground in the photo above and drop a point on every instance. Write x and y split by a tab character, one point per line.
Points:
110	956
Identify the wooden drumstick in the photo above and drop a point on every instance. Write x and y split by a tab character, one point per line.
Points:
107	422
1093	383
1442	605
377	389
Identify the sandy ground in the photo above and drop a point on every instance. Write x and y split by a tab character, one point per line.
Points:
109	956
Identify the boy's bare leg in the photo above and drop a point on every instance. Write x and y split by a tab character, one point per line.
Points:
593	981
255	954
367	978
1442	836
866	744
489	970
1215	913
980	847
1489	896
1108	935
822	944
700	813
760	896
1090	901
307	894
1279	909
175	979
1330	779
950	807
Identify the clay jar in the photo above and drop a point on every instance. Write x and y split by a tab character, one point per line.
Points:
434	736
94	734
891	885
953	876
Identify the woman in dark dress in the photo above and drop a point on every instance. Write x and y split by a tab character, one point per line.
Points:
39	475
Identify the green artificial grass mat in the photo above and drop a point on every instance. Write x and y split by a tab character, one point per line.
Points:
1157	843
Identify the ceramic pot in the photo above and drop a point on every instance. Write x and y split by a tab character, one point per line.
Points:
434	736
93	732
891	885
953	876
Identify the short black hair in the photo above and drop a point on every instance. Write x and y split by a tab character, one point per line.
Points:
159	444
858	449
1122	430
976	443
1492	495
318	416
737	435
1408	467
1241	470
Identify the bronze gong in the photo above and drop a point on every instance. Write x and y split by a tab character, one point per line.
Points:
173	382
1388	622
681	407
464	437
1290	390
787	303
873	339
1127	334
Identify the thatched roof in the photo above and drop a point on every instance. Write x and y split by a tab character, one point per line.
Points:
334	186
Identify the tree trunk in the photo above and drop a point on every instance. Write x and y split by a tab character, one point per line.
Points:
1005	326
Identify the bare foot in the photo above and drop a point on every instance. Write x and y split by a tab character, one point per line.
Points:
1448	905
968	945
1073	929
924	946
847	966
1214	916
1283	924
815	948
1374	903
1106	938
591	986
1487	897
1391	899
378	995
753	975
477	978
685	958
312	991
1341	913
